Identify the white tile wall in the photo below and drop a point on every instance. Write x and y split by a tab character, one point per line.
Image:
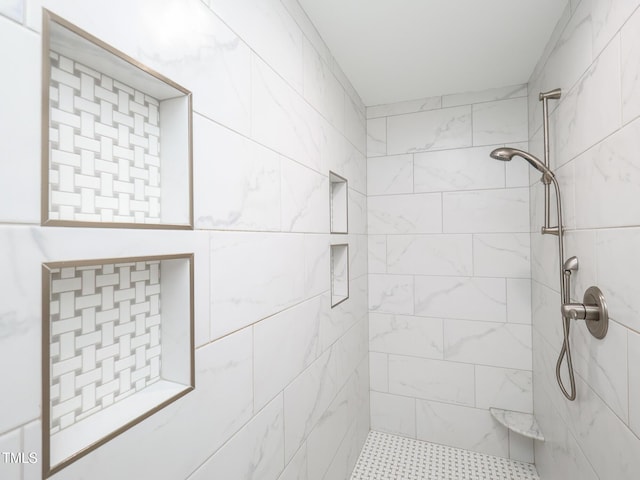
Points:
593	58
449	267
273	112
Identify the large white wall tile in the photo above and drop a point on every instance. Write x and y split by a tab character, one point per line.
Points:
355	124
431	130
406	335
376	137
393	414
504	121
253	276
282	120
10	443
13	9
629	53
277	360
607	181
236	181
481	211
20	115
377	252
405	213
305	205
449	382
269	29
490	95
389	175
634	381
411	106
255	452
504	388
501	255
461	427
430	254
608	16
379	370
457	169
496	344
519	300
357	212
391	293
316	264
461	297
297	467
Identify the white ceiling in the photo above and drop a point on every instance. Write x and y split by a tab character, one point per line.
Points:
395	50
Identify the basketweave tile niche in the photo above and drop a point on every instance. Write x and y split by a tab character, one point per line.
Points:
338	203
118	345
339	273
116	137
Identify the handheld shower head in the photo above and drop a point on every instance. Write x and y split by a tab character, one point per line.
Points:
506	154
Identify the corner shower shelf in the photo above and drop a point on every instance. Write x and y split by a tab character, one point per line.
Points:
116	137
118	346
338	204
339	274
522	423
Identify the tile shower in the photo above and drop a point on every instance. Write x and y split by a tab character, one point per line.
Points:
273	116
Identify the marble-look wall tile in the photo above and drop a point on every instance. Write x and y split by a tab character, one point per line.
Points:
11	443
316	264
521	448
277	360
608	16
377	252
504	121
393	414
519	300
376	137
297	467
306	399
390	175
496	344
430	254
617	263
236	181
461	427
357	212
350	350
321	88
255	452
502	255
379	368
13	9
575	126
253	276
282	120
431	130
406	335
461	298
612	170
357	255
604	365
411	106
449	382
304	199
355	124
21	49
270	31
490	95
490	211
391	293
345	459
405	214
630	67
504	388
634	381
457	169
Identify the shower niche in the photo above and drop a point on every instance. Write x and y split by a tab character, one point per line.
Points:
338	203
116	137
339	274
118	345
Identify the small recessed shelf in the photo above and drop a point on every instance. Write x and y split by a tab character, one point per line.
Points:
117	347
522	423
338	203
116	137
339	274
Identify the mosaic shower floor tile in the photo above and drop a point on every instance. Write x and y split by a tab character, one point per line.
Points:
390	457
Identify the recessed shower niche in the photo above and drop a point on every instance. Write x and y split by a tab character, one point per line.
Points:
339	274
116	137
338	206
118	346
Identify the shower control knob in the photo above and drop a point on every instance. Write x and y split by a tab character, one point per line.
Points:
593	309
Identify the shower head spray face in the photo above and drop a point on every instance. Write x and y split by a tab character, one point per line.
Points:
506	154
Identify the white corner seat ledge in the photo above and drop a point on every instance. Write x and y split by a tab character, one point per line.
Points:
518	422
